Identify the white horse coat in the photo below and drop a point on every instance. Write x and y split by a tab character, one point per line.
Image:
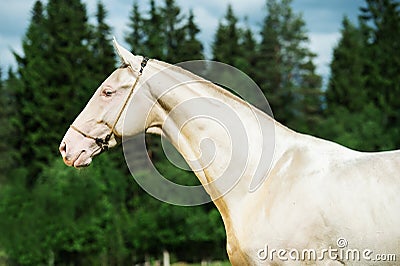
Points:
315	193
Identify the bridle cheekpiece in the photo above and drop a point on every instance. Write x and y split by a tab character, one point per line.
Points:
103	143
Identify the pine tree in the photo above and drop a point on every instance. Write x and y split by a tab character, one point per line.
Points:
10	119
363	86
192	48
57	78
69	47
380	22
102	49
286	70
154	44
309	103
347	85
4	131
163	34
135	37
173	29
32	70
226	47
269	64
248	51
299	76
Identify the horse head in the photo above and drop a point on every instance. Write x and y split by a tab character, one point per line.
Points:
99	126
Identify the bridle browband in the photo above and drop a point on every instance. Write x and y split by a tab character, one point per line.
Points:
103	143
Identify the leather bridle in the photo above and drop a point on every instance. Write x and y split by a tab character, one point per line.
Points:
103	143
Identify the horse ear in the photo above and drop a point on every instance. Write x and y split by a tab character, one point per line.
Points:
123	53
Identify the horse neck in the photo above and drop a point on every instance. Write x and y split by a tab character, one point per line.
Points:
216	132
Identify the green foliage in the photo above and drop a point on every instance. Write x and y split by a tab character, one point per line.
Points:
346	86
248	60
154	41
50	214
54	67
380	22
74	215
358	130
286	70
226	44
192	48
173	29
10	121
20	222
135	37
281	64
234	45
101	47
163	34
364	86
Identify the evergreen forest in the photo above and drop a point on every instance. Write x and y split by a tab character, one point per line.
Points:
54	215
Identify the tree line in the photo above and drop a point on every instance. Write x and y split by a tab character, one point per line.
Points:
50	214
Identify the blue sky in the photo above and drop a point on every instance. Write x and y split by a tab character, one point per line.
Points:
323	20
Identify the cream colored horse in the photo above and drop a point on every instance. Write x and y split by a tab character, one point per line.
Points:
317	194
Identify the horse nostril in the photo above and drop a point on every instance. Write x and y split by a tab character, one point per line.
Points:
63	149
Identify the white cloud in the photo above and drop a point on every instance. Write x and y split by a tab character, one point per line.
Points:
323	44
14	18
7	45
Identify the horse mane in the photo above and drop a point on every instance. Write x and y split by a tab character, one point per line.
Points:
224	90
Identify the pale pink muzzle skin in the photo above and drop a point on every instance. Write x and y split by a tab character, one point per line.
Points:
78	151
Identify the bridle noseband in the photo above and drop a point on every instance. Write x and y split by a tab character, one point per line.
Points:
103	143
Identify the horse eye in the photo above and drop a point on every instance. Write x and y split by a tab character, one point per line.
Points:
108	92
